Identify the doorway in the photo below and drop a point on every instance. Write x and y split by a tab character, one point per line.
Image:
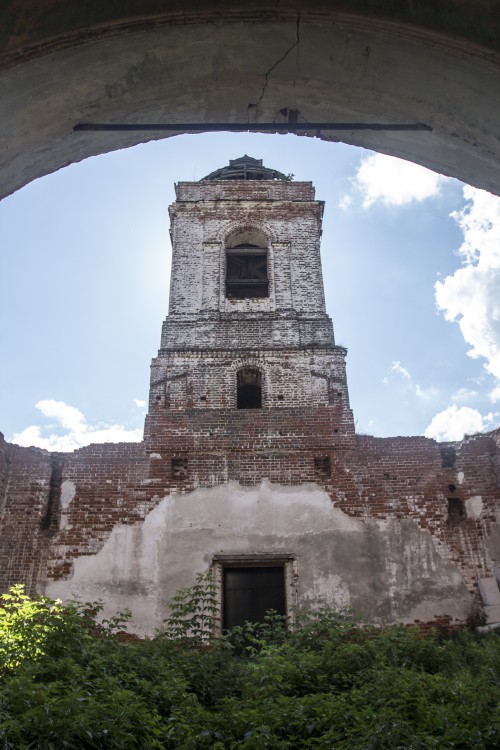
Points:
250	592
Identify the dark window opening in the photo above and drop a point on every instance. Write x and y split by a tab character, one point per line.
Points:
179	468
50	521
246	272
448	457
249	389
322	466
456	511
250	592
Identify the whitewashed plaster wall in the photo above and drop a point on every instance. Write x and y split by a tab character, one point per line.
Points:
389	570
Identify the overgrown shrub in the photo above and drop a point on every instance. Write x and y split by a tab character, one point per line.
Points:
332	681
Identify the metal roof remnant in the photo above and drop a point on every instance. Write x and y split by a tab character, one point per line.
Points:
245	168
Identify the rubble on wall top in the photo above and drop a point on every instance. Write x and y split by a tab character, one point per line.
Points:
245	168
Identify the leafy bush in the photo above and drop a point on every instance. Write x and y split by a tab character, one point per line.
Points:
192	611
25	627
333	681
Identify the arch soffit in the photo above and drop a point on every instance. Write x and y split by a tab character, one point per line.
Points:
248	363
259	230
327	64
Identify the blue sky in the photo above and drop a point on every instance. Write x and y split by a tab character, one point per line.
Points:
411	265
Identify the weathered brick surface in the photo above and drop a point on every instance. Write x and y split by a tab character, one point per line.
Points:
24	533
57	508
202	219
207	379
391	478
104	485
405	478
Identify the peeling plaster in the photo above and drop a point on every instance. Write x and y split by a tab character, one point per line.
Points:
474	506
388	570
68	491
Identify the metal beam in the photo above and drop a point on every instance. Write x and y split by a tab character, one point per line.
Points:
252	127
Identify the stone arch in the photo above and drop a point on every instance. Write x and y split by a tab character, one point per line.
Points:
230	233
222	62
246	234
247	363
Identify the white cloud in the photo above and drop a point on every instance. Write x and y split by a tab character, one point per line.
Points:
345	202
139	402
78	432
395	182
495	394
426	394
398	368
429	393
68	417
464	394
455	422
471	295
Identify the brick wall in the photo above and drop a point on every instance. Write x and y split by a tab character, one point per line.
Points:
25	522
59	508
203	218
207	379
105	485
400	478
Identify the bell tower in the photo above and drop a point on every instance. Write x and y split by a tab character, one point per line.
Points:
250	465
248	382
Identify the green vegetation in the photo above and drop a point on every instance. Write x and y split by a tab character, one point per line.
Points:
331	683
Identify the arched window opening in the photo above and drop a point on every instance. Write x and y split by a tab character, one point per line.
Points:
246	266
249	389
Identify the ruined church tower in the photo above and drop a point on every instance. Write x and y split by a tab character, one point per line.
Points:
250	466
248	383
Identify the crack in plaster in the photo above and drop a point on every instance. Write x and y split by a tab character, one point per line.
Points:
275	65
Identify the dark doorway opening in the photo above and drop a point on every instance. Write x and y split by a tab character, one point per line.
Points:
456	511
249	389
250	592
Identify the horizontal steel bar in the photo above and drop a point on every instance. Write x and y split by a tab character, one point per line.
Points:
246	251
279	127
